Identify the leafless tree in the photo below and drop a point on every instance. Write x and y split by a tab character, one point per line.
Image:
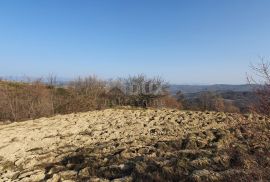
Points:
211	101
88	92
261	78
142	90
52	80
20	101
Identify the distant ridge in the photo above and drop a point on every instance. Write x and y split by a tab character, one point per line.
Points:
173	88
216	87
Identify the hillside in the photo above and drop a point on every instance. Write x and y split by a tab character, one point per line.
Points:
137	145
242	100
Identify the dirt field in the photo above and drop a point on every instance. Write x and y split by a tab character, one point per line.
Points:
137	145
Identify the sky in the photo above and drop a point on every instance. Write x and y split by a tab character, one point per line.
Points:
183	41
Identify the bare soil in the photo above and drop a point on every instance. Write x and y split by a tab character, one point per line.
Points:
137	145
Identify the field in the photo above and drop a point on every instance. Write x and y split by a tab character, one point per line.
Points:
129	144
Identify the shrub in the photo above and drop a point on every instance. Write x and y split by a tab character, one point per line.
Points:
22	101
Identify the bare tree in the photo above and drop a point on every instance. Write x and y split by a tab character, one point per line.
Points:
141	90
20	101
261	78
88	92
214	102
52	80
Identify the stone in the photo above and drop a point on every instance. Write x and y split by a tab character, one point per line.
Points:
95	179
56	169
55	178
38	177
205	175
84	172
68	174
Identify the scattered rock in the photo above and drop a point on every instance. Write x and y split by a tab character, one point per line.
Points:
84	172
205	175
55	178
68	174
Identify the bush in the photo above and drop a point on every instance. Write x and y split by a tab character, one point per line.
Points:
22	101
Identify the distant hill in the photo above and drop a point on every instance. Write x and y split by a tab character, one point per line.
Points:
186	89
240	95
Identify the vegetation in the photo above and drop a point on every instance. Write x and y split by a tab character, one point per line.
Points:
43	98
215	146
34	99
206	101
21	101
261	76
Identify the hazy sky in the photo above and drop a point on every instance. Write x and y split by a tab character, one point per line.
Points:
184	41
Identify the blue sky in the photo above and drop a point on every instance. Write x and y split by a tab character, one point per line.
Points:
184	41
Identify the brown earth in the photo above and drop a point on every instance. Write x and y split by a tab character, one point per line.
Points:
137	145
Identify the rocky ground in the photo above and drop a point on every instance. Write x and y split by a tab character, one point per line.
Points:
137	145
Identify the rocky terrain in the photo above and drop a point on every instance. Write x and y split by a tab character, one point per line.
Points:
137	145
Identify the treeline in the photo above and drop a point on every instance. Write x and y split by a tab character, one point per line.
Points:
42	98
39	98
207	101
